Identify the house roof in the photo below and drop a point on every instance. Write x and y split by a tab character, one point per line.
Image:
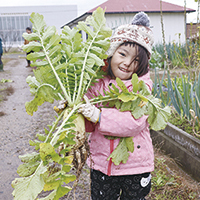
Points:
132	6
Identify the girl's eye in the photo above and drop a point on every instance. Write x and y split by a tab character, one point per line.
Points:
123	54
136	60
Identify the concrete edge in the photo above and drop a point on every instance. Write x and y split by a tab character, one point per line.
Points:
184	158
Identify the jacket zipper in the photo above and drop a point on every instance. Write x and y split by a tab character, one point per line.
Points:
110	161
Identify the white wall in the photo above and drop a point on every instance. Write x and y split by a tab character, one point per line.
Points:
115	20
173	25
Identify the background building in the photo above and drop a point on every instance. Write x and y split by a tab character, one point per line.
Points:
14	20
118	13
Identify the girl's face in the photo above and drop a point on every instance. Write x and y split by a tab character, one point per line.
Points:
124	62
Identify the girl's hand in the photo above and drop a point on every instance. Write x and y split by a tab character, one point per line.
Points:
62	105
89	111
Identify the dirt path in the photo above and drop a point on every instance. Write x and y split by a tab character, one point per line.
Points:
16	126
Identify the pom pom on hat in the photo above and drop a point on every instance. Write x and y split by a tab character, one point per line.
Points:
138	31
141	18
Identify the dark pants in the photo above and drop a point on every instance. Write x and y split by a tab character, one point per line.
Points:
128	187
28	61
0	59
1	64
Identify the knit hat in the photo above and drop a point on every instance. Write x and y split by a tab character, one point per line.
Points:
138	31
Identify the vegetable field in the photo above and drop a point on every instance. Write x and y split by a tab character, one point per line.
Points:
18	128
65	72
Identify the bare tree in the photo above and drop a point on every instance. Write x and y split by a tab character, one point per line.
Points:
163	35
7	43
9	38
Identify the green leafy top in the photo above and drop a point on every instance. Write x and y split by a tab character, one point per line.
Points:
68	65
139	102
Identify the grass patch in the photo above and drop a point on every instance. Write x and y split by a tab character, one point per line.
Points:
2	113
5	60
170	182
184	124
9	90
5	91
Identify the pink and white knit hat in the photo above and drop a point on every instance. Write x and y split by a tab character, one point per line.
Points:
138	31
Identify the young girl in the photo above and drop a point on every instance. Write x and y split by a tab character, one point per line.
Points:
129	53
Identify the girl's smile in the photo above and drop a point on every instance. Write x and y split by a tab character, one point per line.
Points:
124	62
124	70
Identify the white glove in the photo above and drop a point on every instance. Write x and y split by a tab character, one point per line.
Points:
89	111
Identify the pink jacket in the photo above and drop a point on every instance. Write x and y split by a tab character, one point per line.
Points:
122	124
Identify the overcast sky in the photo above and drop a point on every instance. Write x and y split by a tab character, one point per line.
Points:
85	5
